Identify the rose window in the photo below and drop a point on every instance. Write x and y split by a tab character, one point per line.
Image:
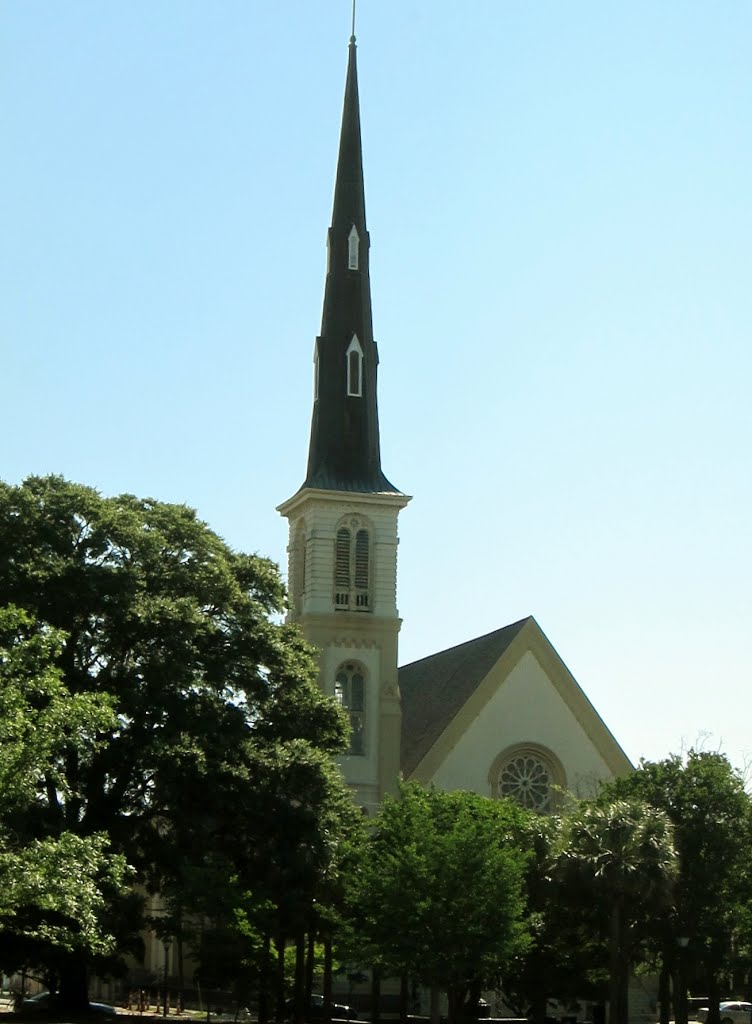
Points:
527	779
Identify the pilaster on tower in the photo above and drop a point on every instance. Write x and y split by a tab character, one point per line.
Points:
343	520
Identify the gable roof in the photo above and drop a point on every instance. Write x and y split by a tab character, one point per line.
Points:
442	693
435	688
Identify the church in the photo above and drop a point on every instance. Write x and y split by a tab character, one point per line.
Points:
500	715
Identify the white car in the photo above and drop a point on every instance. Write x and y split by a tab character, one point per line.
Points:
731	1013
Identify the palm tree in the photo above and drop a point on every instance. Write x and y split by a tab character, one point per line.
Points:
624	854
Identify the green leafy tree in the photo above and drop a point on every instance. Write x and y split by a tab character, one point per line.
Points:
437	891
54	891
55	899
618	856
705	799
564	955
214	701
270	878
41	722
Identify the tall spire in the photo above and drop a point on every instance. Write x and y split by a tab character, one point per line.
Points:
344	452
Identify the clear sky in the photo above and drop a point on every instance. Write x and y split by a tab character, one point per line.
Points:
560	212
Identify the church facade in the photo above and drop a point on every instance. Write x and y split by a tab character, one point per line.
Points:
500	715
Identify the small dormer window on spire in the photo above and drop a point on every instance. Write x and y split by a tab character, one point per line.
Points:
354	368
353	249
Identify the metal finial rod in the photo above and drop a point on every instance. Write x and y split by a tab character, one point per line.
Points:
352	34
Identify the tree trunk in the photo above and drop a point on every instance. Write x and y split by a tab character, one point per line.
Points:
456	1001
181	965
435	1017
664	993
263	983
714	996
328	970
681	1013
618	1011
375	995
73	994
404	998
473	998
310	964
279	980
538	1007
299	997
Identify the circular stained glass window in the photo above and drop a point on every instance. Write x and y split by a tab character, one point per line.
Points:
527	779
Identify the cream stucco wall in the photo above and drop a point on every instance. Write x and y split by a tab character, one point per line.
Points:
524	707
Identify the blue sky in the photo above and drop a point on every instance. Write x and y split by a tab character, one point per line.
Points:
560	216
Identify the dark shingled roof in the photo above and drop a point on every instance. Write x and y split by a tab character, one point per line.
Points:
435	688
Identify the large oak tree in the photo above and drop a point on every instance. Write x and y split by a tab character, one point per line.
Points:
214	705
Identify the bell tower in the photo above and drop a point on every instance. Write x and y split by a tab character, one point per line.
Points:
342	547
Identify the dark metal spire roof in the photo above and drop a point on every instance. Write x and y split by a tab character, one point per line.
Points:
344	452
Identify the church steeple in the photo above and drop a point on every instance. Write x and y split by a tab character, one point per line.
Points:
344	452
342	550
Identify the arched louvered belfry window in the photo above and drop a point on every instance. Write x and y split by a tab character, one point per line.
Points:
342	575
354	357
350	692
362	566
352	568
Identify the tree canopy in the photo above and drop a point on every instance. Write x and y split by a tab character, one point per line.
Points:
54	890
437	891
711	814
619	856
197	711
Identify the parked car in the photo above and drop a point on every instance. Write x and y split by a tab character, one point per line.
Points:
731	1013
695	1003
44	1001
317	1009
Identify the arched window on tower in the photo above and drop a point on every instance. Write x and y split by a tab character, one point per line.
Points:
316	370
353	249
352	568
350	692
354	368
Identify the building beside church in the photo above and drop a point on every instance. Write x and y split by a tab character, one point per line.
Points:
498	715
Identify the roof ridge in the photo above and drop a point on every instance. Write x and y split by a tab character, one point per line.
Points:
474	640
